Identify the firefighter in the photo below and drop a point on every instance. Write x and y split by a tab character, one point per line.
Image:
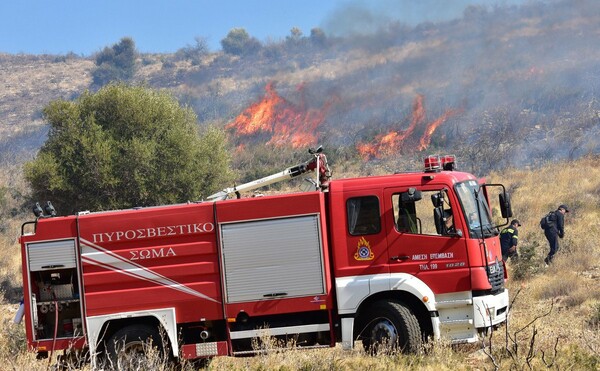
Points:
509	237
449	222
554	228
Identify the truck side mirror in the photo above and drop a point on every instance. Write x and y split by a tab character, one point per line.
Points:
505	206
437	200
438	217
412	195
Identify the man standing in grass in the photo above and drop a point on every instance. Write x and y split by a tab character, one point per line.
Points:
554	228
509	237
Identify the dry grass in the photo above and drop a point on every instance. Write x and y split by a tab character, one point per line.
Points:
31	83
555	319
570	288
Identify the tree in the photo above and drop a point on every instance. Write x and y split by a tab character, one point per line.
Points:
317	37
239	42
116	63
295	39
295	35
194	53
124	147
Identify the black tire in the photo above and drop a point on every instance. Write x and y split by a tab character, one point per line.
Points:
127	348
390	324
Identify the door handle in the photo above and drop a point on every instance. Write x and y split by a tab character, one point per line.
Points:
52	266
401	257
275	294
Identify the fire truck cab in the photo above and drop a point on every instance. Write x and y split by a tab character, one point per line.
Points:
421	246
398	258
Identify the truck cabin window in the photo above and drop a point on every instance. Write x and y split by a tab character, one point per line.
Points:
416	215
363	215
476	209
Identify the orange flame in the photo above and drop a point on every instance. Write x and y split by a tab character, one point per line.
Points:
286	122
388	144
426	138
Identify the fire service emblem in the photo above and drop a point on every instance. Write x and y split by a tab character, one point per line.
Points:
363	251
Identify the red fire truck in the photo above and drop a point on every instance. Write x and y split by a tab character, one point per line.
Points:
398	258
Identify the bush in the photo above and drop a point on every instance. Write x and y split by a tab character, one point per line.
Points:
239	42
124	147
528	264
117	63
317	37
193	53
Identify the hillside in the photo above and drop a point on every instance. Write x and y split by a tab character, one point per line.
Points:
500	86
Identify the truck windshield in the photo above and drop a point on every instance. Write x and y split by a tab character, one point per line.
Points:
478	219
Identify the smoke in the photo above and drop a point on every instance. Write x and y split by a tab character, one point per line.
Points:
532	62
363	17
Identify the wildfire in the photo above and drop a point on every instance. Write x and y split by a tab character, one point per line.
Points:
286	123
388	144
426	138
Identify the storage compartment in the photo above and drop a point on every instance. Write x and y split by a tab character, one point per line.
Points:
273	259
54	282
51	255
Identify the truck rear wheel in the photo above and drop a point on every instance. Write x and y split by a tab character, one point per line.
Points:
129	347
391	325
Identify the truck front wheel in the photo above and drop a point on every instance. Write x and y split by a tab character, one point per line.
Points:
129	347
391	325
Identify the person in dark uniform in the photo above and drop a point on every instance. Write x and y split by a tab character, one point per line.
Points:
509	238
449	222
555	229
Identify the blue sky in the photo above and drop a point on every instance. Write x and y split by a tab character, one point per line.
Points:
85	27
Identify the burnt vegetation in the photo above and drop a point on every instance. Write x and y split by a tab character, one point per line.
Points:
523	78
521	82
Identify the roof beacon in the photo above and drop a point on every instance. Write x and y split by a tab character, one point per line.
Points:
436	163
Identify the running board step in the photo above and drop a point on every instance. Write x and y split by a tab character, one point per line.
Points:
453	303
264	351
276	331
456	322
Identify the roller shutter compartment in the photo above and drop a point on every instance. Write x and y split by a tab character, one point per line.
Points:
273	258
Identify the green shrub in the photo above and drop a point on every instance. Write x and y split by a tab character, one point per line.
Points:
528	264
239	42
117	63
124	147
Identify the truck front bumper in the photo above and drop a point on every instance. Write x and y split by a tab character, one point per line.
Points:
490	310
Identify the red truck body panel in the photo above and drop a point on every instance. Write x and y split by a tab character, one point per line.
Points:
154	257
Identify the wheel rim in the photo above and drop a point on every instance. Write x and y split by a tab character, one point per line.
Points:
133	353
133	347
384	332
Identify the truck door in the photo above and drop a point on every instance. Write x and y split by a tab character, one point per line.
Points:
436	254
360	228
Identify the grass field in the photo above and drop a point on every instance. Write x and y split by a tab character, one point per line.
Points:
554	321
